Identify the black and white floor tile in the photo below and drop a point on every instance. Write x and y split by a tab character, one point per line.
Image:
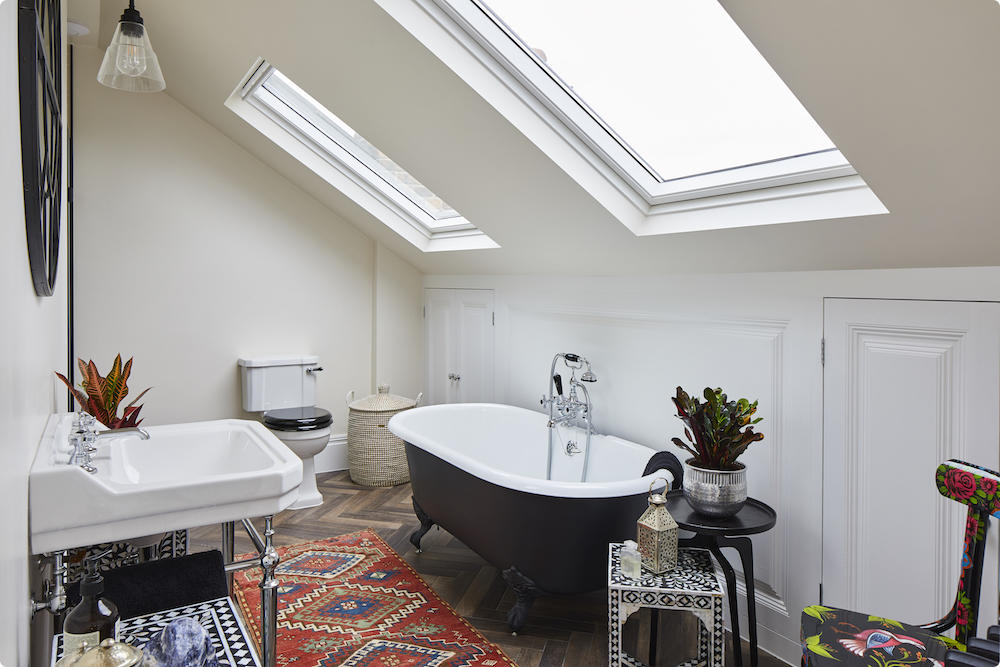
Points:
219	617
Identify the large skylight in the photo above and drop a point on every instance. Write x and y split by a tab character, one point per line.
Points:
662	110
676	81
292	118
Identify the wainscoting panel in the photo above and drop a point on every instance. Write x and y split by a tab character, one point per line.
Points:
908	384
640	357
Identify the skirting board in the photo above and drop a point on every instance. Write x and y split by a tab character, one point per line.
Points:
334	457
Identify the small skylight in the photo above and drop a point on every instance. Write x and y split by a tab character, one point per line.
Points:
279	108
676	82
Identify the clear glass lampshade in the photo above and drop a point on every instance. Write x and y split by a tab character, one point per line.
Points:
129	63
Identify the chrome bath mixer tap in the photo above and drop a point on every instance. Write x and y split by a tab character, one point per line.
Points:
570	410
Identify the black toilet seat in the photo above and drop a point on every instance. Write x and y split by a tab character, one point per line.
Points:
297	419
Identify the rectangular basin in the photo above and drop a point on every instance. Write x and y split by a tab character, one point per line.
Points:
184	475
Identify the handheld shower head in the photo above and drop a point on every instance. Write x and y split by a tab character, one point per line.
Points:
588	376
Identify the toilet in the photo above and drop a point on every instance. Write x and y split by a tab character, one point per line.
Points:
283	389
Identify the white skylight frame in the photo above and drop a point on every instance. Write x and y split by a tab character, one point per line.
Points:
290	117
473	42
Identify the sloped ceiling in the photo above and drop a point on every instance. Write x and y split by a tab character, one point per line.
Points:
907	89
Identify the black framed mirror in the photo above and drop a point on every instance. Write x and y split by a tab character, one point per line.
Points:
39	46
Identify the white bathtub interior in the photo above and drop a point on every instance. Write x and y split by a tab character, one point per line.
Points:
508	445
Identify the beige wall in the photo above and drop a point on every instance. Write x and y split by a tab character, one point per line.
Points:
32	345
399	325
191	253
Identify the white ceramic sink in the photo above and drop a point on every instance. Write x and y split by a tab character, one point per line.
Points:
184	475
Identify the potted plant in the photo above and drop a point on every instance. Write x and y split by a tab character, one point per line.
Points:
101	396
718	431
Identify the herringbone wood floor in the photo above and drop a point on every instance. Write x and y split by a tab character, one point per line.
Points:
561	631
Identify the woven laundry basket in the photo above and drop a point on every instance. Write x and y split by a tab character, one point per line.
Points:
376	457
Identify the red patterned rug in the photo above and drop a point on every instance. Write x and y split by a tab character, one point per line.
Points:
352	601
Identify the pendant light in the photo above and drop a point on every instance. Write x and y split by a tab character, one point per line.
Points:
129	63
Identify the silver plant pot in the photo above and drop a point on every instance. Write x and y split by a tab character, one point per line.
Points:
715	493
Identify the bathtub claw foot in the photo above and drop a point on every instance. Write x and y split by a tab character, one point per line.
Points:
525	591
426	523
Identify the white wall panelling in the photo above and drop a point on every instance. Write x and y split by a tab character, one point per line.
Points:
642	345
640	357
755	335
334	457
908	384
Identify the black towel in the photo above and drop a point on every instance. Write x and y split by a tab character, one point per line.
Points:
162	584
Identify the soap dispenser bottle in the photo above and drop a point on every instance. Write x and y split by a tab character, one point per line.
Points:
631	562
95	618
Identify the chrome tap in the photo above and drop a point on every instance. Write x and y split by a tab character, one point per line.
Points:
81	453
114	433
569	410
84	437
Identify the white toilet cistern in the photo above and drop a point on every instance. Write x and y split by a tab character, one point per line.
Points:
283	389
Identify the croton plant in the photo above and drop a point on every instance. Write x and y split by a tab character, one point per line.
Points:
718	430
101	396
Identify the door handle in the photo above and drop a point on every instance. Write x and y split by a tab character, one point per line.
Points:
454	377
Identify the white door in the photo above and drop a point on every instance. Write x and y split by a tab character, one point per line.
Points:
459	345
441	336
907	384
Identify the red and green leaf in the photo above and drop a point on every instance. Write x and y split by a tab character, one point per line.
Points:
718	430
101	396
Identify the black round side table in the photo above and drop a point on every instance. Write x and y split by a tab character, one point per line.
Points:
715	534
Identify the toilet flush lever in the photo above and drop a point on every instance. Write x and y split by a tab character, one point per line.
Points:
314	369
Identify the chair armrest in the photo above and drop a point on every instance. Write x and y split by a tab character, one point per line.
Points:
984	647
993	633
954	658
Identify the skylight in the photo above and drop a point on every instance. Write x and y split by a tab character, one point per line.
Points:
662	110
675	82
283	111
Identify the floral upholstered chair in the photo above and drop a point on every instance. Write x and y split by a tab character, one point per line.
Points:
834	637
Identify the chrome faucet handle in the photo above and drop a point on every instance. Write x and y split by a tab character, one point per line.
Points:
76	443
81	455
89	438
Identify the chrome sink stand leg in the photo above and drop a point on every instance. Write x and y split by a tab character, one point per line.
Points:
267	560
269	597
229	549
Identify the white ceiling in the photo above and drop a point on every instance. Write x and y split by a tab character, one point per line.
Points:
907	89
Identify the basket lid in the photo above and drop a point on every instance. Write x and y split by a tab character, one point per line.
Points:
382	401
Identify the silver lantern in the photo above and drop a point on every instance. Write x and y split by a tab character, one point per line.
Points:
657	535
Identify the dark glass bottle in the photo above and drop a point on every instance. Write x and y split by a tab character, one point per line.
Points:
95	618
